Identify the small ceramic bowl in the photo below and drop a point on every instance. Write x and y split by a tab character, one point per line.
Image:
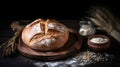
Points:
98	43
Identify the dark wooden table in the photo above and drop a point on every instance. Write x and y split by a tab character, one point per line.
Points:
18	60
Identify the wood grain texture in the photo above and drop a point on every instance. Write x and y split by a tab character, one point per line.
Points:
72	46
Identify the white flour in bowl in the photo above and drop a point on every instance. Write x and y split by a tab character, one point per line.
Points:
98	40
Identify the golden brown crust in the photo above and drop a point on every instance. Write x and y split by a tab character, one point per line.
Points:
36	36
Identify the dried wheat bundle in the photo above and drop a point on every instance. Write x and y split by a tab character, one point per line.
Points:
105	20
9	47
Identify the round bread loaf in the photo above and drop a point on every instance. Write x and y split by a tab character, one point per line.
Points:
45	35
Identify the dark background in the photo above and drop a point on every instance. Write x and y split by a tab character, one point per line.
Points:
59	10
53	9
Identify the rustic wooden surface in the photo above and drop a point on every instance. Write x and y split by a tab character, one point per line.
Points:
73	44
17	60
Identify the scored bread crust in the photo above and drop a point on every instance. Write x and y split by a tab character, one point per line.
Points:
35	37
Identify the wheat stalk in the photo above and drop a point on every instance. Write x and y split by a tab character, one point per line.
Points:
106	21
9	47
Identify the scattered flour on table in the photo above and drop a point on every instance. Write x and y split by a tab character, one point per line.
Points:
80	59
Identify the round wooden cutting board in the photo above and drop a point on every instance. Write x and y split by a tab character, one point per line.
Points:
72	46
